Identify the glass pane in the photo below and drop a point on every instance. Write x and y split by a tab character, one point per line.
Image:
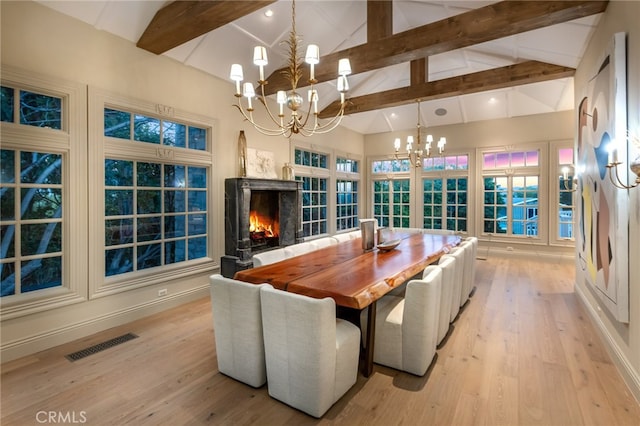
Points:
489	161
197	224
174	251
6	105
146	129
40	168
197	138
174	134
174	226
118	172
174	201
7	204
41	238
532	158
118	231
118	261
197	177
148	174
197	201
41	203
148	202
7	236
41	273
565	156
197	248
7	166
149	256
502	160
40	110
118	202
463	162
149	228
174	176
117	124
8	279
517	159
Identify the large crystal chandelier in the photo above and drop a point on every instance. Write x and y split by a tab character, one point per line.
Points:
417	155
298	121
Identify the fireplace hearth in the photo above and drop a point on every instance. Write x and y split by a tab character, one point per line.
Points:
260	215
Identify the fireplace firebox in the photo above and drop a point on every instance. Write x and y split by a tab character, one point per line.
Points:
260	215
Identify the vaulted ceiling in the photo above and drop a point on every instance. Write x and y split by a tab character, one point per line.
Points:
465	60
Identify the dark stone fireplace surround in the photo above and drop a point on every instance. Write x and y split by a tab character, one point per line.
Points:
237	199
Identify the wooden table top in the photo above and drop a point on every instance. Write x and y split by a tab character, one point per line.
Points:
352	277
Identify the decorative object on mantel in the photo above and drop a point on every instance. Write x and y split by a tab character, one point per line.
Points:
287	172
417	155
261	164
242	155
297	123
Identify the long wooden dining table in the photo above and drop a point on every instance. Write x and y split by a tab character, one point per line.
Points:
353	277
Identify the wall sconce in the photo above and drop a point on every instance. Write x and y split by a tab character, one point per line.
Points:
634	166
573	187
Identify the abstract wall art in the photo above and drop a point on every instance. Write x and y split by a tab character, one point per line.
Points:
602	239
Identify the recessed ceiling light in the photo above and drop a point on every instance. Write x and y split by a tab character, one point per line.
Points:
441	112
492	100
268	13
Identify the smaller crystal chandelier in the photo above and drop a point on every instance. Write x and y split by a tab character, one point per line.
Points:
634	166
417	155
298	123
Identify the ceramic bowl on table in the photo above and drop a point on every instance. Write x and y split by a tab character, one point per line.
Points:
388	245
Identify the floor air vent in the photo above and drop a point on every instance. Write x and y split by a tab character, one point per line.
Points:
100	347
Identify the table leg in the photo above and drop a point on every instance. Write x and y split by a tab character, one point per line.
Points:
367	368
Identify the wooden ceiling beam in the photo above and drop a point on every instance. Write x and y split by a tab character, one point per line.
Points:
182	21
495	21
379	19
500	78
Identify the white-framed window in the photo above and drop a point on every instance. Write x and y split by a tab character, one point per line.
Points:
563	189
391	192
41	180
153	193
511	192
312	169
347	193
445	182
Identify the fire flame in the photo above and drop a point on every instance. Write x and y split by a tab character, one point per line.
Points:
258	224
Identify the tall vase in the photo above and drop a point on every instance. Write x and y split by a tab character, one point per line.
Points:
242	155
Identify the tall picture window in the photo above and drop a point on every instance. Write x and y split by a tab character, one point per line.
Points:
511	203
156	197
444	192
391	192
315	189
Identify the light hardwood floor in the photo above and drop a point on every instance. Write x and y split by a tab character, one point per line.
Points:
523	353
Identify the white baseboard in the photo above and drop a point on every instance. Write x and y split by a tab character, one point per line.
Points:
51	338
629	375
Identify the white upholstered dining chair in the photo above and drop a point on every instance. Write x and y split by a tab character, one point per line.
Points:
311	357
237	326
298	249
268	257
458	285
447	265
407	327
323	242
469	260
474	242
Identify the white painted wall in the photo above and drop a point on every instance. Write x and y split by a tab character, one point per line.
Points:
623	339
